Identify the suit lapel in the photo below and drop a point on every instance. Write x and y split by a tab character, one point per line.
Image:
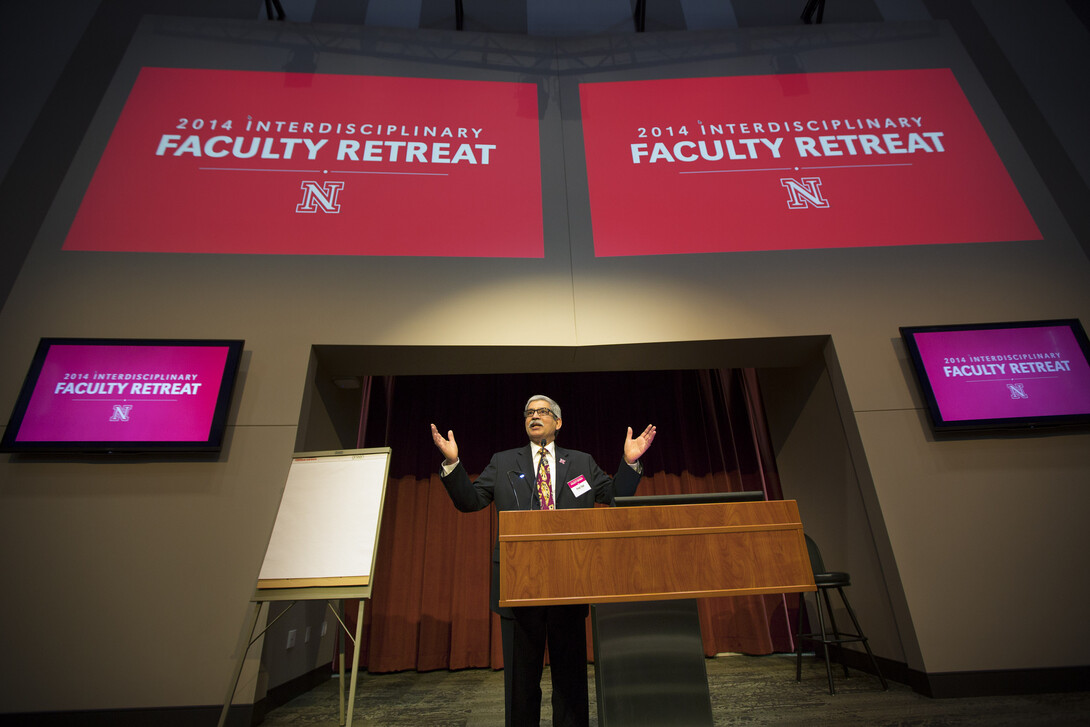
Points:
524	460
562	493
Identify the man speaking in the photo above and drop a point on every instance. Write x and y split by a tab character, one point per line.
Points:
541	476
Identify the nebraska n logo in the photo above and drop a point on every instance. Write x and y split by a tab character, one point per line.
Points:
320	196
121	413
805	192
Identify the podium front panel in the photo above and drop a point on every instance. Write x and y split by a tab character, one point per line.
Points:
607	555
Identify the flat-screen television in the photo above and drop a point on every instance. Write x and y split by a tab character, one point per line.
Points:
109	395
694	498
990	376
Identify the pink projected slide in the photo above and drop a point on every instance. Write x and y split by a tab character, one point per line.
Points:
213	161
782	162
118	393
1005	373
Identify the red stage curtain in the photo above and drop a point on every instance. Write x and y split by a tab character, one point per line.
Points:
430	604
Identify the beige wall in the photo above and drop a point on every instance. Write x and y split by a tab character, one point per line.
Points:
968	521
811	433
135	575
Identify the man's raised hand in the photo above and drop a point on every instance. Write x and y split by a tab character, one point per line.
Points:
634	448
447	445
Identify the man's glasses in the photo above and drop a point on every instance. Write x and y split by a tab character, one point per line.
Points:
538	412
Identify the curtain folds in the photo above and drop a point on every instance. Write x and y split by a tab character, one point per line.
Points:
430	604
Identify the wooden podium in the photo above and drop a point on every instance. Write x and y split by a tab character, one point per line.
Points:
642	566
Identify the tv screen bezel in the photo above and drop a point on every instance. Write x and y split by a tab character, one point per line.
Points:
217	429
940	425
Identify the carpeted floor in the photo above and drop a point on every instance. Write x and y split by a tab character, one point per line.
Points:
745	690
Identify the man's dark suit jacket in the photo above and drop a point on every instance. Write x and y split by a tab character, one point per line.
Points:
500	483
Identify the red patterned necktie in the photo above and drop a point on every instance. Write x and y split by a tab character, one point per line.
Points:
544	491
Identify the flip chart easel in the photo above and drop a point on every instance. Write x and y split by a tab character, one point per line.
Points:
323	544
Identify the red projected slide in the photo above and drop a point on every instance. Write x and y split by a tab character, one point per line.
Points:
796	161
253	162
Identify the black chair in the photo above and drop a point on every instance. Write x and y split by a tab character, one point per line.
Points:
825	581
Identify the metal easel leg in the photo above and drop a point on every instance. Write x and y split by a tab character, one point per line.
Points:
344	717
355	663
248	641
340	659
340	689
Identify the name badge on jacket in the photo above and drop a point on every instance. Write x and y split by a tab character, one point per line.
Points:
579	486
